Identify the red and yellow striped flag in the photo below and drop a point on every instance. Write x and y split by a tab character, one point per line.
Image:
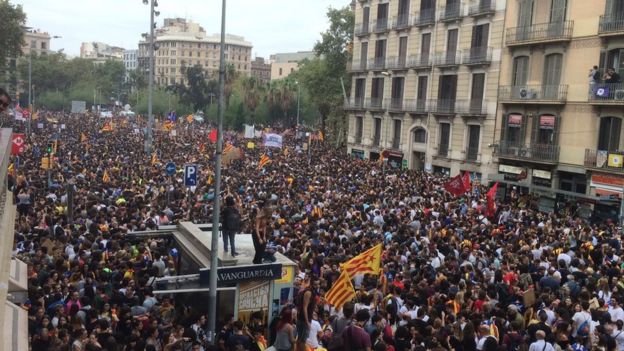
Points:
264	160
106	177
368	261
341	291
227	148
154	159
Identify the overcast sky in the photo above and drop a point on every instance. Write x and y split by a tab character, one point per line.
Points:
270	25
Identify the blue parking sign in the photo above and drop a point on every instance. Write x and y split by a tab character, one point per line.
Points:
190	175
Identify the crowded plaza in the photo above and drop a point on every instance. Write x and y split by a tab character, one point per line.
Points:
450	270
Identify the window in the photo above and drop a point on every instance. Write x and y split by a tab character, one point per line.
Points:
44	46
525	19
396	140
445	136
363	54
359	126
33	44
380	52
172	61
292	70
420	136
546	127
609	134
476	94
377	92
421	97
514	129
552	76
173	52
280	71
377	132
520	71
472	152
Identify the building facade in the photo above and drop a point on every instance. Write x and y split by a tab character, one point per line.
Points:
424	89
283	64
36	42
100	52
559	130
261	70
130	59
181	43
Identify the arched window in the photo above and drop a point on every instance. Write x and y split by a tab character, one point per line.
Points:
420	135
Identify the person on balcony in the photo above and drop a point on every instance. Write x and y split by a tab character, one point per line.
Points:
594	78
611	76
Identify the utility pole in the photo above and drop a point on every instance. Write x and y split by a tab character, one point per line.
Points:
29	91
216	210
298	97
150	92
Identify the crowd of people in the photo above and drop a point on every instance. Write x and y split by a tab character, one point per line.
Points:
452	277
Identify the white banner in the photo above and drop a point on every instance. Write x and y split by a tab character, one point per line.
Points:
19	116
258	133
273	140
249	131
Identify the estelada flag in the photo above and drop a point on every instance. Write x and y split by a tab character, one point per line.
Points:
107	127
466	180
342	290
368	261
455	186
213	136
189	118
264	160
491	200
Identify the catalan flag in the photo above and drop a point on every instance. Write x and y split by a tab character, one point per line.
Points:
189	118
368	261
83	137
264	160
317	212
228	147
154	159
106	177
11	169
168	125
202	148
341	291
321	136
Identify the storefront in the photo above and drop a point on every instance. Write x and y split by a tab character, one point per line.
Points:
358	153
442	170
395	158
541	178
374	156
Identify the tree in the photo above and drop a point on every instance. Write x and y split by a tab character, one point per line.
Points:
323	76
253	92
281	96
198	89
12	20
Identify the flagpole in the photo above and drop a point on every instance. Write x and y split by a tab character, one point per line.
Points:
216	212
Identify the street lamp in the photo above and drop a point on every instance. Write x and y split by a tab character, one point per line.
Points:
150	119
386	117
298	95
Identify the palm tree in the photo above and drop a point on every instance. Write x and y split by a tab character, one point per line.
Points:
230	77
281	96
253	91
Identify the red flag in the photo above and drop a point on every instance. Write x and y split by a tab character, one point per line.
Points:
455	186
466	180
213	136
18	143
491	200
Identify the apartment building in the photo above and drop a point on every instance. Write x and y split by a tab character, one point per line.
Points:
285	63
100	52
36	42
425	78
261	70
181	43
558	132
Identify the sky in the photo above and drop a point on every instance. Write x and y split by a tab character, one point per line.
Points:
270	25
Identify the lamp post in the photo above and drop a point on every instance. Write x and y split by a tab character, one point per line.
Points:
150	91
298	95
386	117
216	210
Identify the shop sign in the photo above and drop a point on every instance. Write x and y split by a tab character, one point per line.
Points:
238	274
599	179
542	182
538	173
510	169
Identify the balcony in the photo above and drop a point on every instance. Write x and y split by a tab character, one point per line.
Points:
453	12
424	18
395	105
356	66
420	61
396	63
447	59
472	154
600	159
402	21
416	106
479	56
482	8
361	29
534	152
381	25
356	103
472	107
606	94
540	33
442	106
374	103
540	94
377	64
611	25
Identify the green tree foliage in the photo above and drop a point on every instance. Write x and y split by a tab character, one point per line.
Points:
12	18
198	90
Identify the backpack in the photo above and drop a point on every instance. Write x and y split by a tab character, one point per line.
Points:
232	219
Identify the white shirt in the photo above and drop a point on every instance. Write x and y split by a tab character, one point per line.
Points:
618	335
539	346
315	328
579	318
616	314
